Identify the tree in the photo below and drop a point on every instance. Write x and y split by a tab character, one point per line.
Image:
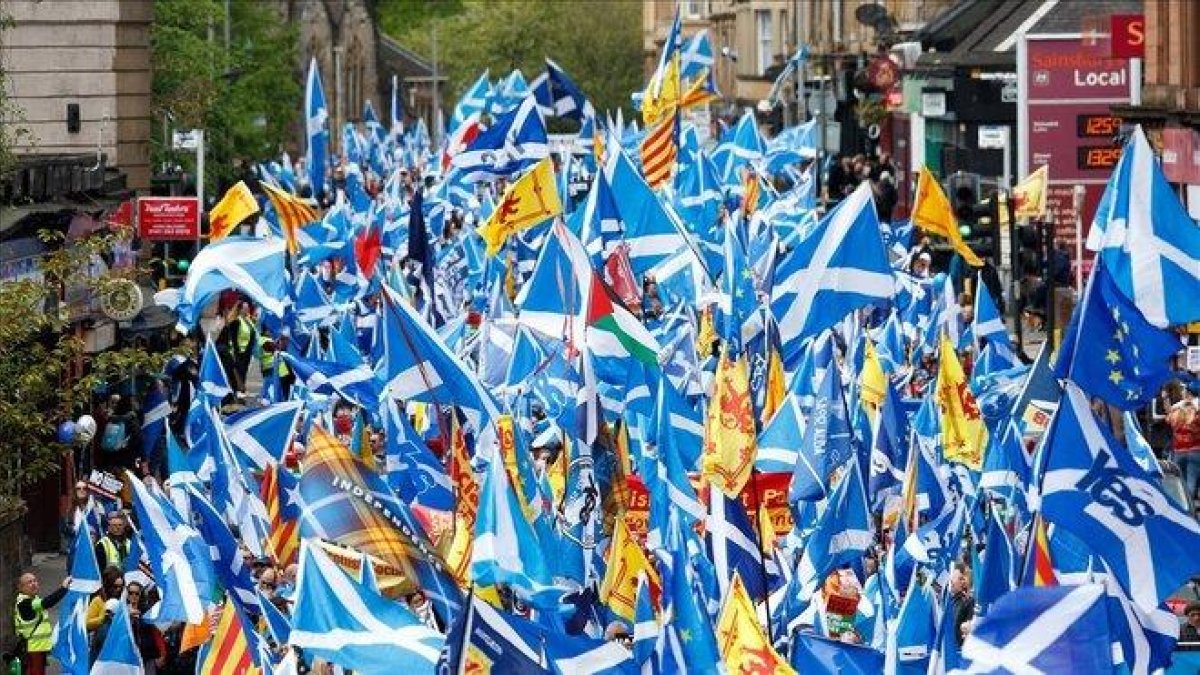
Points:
597	43
36	355
247	97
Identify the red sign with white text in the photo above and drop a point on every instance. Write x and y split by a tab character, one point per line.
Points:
1128	36
169	218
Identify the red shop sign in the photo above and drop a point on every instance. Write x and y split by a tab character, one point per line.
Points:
169	218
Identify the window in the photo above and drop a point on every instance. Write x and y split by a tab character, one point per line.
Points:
762	23
692	9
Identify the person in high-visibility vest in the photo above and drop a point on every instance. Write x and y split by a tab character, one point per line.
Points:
268	358
32	621
112	548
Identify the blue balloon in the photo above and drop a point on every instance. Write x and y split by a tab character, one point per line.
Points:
66	432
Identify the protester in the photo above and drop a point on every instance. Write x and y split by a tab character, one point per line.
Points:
32	623
113	547
1184	419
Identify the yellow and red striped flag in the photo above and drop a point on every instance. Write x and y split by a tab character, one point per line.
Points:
293	213
229	652
284	538
1041	565
659	151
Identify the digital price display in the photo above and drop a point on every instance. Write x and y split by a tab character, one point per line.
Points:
1097	157
1097	126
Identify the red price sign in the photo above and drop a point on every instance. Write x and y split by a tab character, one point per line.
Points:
169	218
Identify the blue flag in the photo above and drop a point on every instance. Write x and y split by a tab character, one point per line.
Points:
315	116
1111	350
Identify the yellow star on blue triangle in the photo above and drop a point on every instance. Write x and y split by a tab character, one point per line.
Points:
1112	356
1115	377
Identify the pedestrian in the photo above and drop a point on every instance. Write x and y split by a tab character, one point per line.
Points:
1184	420
1191	630
113	547
147	636
32	624
112	585
963	599
236	344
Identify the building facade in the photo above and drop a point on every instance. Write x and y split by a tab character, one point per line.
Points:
79	73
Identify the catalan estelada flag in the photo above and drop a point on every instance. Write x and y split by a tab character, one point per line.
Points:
659	149
230	652
293	213
284	538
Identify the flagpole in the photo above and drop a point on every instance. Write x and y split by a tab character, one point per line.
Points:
762	554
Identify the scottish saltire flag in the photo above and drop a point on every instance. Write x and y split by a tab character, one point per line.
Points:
278	624
473	101
1000	565
889	445
1049	629
313	306
486	639
1093	487
696	59
348	502
70	636
506	548
989	325
779	439
652	228
359	385
514	142
1110	350
262	435
842	533
828	441
416	365
688	642
178	555
508	93
120	654
600	227
1142	640
571	655
334	618
1147	240
559	96
413	471
256	267
1138	446
945	653
156	408
733	545
840	267
315	115
214	384
645	624
225	553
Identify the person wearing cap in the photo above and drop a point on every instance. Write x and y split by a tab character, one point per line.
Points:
32	623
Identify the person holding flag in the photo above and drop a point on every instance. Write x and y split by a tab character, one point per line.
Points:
32	624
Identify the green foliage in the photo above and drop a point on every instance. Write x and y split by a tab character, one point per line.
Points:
598	43
247	98
12	129
37	353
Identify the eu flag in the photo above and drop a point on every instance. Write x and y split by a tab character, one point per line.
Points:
1111	350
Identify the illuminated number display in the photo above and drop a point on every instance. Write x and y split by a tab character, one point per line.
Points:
1097	126
1098	157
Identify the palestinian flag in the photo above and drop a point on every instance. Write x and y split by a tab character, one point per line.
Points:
612	330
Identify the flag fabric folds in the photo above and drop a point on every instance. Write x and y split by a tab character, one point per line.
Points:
235	206
253	266
932	212
529	200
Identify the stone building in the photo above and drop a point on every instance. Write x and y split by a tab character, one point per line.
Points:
80	74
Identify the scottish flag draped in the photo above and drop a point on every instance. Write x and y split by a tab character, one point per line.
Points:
254	267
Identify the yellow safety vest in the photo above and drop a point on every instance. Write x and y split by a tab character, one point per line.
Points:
244	330
266	359
112	553
37	632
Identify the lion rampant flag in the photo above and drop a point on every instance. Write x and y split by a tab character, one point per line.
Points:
1029	197
729	433
740	636
531	199
237	205
963	433
626	562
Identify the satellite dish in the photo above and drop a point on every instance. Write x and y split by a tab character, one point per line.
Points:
876	16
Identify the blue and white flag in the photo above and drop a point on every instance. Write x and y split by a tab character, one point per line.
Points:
840	267
828	442
179	557
652	228
226	555
779	439
334	618
156	409
1000	565
508	644
413	471
815	654
263	435
1147	240
515	142
557	94
733	545
473	101
359	385
908	645
256	267
842	534
1093	487
989	324
120	654
1048	629
315	116
70	637
214	383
